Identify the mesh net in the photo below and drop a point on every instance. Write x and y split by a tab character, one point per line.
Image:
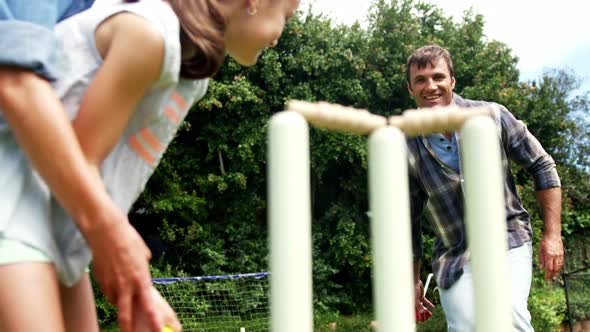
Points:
576	279
219	303
578	290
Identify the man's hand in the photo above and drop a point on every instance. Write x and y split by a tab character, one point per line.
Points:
551	256
551	247
121	268
422	304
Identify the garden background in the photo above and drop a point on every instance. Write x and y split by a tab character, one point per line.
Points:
204	210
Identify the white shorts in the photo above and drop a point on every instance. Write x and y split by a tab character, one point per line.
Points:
15	252
31	216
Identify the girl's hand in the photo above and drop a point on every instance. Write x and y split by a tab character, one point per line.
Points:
166	313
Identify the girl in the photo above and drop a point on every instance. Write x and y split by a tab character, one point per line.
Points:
132	71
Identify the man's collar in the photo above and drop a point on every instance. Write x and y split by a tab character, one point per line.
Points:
458	100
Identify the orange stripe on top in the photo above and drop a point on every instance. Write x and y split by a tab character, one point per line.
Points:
141	150
151	140
172	115
180	101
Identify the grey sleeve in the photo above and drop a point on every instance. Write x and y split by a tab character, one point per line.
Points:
30	46
524	149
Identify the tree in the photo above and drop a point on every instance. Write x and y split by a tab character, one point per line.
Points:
207	199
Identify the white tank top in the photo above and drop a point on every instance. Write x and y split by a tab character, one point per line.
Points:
28	212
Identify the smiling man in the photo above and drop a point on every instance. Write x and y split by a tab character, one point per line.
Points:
436	192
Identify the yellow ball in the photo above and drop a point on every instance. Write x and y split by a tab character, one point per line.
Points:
167	329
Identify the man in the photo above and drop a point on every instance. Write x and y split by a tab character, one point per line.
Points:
436	191
29	106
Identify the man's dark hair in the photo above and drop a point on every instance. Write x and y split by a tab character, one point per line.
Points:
428	55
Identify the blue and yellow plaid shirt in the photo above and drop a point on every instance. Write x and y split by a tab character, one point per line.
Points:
436	191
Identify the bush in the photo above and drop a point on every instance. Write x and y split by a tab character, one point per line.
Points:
547	307
435	323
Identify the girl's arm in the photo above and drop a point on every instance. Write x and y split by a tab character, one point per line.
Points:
133	53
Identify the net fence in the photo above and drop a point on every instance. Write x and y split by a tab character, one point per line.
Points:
576	280
577	287
224	303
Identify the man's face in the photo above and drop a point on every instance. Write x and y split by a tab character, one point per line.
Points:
432	86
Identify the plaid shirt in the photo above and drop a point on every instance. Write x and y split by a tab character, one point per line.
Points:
436	191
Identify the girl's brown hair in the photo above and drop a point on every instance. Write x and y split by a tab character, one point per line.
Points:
202	27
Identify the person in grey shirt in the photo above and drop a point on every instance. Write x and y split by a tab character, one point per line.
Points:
436	192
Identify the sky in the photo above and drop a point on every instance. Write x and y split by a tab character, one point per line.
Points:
543	34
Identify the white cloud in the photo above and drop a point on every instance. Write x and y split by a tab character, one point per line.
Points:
344	11
539	32
543	34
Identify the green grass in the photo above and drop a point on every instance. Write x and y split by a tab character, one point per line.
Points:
356	323
362	323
